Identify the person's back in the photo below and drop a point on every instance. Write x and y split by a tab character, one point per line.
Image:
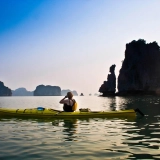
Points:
69	104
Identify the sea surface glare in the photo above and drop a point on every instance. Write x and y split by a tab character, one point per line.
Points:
82	139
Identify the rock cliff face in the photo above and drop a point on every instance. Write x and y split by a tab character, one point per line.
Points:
140	72
64	92
108	88
21	92
42	90
4	91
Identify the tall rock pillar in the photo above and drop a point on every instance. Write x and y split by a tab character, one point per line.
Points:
108	87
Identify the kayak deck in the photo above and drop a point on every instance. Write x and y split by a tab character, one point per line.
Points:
51	113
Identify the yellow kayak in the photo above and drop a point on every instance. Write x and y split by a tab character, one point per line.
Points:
51	113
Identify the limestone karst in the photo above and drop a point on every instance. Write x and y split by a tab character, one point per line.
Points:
108	87
140	72
4	91
48	90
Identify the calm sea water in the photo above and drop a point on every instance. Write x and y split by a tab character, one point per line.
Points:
86	139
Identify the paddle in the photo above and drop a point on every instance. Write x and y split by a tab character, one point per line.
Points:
137	110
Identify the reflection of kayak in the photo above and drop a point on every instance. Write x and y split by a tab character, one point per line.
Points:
51	113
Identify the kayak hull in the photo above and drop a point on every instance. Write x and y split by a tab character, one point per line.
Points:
51	113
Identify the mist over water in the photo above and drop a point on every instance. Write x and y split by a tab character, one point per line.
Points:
94	138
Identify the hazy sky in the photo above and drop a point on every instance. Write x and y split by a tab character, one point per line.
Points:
70	43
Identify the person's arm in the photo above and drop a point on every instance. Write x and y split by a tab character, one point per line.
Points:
62	100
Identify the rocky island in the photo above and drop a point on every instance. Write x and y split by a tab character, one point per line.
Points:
4	91
48	90
140	71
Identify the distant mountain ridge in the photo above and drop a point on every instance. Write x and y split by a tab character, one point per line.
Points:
41	90
64	92
22	92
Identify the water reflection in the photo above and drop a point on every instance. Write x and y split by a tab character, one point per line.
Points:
109	103
149	105
144	139
69	128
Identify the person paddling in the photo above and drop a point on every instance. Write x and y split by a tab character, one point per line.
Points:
70	104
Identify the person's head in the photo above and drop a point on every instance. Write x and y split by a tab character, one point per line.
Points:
69	95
